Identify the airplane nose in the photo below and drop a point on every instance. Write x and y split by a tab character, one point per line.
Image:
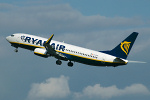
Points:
7	38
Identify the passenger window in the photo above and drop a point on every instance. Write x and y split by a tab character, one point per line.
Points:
12	35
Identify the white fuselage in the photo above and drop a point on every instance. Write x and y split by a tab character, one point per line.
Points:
73	53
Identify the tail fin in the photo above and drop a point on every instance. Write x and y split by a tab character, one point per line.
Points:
123	49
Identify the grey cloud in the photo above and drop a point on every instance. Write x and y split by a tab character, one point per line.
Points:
58	18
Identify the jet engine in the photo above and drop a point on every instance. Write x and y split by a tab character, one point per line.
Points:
41	52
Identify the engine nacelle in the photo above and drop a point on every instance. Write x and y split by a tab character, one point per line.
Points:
41	52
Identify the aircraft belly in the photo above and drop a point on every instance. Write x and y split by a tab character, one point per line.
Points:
25	46
89	61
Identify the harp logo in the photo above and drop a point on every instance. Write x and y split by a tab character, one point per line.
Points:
125	47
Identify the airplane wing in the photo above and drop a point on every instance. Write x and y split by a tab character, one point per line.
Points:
52	51
48	47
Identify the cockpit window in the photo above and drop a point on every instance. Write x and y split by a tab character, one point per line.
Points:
12	35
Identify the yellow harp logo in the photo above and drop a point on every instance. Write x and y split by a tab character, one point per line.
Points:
125	47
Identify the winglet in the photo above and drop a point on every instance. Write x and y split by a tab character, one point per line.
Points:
49	40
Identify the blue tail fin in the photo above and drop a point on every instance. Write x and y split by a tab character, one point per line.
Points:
123	49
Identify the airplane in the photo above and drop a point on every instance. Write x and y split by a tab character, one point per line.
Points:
62	51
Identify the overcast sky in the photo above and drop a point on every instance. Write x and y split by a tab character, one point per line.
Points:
93	24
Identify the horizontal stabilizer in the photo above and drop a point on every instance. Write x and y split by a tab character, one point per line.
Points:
119	60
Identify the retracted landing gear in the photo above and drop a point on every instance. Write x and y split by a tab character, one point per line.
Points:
70	64
58	62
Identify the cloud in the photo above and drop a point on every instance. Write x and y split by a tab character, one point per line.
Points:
57	18
97	91
58	88
51	88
